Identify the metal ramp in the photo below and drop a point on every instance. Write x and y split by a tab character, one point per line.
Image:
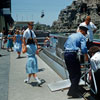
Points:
59	85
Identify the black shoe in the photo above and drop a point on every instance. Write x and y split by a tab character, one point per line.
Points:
74	94
77	96
18	57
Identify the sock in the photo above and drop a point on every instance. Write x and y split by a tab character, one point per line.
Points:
37	79
27	80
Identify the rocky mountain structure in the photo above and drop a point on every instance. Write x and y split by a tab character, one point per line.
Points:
70	17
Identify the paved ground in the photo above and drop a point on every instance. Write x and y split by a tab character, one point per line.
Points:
4	74
15	89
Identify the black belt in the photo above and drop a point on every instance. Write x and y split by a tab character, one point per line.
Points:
71	51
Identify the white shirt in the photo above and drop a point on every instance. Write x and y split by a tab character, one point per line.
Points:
27	34
1	35
90	27
95	61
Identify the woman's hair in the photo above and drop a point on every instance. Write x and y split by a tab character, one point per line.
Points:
30	41
94	49
17	31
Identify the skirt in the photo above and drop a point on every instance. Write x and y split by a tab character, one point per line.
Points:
18	47
31	65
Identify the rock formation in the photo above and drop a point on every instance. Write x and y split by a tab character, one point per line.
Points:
70	17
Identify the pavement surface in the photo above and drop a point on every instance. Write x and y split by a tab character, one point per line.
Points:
12	75
4	74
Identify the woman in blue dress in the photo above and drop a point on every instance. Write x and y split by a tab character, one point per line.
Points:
18	43
9	41
31	65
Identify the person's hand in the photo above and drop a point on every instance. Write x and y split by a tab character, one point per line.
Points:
23	45
37	51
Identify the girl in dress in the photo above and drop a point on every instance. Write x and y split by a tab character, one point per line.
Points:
31	65
18	43
9	41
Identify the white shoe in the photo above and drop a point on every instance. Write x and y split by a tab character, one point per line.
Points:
37	79
26	81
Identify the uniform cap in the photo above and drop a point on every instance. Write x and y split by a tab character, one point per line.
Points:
83	28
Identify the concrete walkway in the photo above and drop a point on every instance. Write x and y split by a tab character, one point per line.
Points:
4	74
18	90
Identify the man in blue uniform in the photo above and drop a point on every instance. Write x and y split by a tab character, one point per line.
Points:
75	42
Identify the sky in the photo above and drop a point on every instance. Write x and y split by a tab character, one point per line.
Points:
30	10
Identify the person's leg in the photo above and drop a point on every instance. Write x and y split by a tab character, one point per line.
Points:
36	78
28	79
8	49
18	54
73	67
11	49
97	74
2	43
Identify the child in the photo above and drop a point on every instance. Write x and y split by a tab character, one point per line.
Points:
31	65
18	43
47	42
95	64
9	41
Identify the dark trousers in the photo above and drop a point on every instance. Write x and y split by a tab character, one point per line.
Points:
73	67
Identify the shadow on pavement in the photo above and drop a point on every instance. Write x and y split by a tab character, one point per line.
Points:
21	57
42	69
1	55
36	84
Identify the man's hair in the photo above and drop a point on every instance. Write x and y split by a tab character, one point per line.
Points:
88	18
94	49
29	23
30	41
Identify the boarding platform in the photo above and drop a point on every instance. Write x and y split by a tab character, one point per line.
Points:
18	90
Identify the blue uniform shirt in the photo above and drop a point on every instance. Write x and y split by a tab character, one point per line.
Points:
76	41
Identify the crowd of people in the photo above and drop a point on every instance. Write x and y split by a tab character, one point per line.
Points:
23	42
81	40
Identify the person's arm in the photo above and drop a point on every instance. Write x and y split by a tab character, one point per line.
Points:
24	48
77	29
84	49
24	40
94	27
21	39
36	41
93	65
94	30
24	37
86	57
14	38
